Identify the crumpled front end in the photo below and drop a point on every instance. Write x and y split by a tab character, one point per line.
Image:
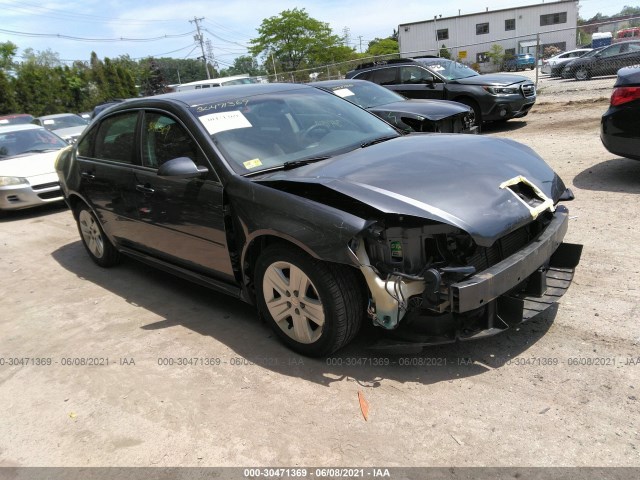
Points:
436	279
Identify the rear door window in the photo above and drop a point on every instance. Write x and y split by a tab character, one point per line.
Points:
115	138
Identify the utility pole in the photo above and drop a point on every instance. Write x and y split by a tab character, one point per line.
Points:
360	38
199	38
210	55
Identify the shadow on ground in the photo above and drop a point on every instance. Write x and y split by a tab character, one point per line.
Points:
615	175
180	302
506	126
31	213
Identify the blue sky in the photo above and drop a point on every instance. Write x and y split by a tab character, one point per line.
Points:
161	27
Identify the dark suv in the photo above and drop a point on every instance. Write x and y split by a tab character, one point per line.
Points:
493	97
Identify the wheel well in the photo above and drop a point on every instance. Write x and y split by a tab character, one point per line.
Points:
470	101
258	245
74	201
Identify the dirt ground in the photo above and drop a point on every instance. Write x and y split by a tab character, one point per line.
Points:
562	390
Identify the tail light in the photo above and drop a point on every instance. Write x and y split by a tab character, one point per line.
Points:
622	95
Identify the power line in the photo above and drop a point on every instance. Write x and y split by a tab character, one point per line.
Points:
224	40
60	14
83	39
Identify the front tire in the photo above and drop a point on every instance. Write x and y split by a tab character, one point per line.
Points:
476	110
582	74
94	240
314	307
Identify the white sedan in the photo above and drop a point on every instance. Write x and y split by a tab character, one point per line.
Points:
553	66
27	174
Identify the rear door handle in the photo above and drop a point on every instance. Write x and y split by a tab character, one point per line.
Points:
88	175
144	189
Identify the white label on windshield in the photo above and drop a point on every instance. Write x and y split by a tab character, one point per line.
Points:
343	92
3	122
49	122
223	121
436	67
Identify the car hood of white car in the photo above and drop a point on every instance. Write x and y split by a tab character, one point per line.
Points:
29	165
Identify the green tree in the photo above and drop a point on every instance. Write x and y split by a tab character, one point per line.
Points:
444	52
8	102
294	39
44	58
244	64
153	82
35	89
176	70
7	52
382	46
496	54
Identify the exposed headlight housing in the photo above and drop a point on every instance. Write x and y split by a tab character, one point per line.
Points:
502	90
6	181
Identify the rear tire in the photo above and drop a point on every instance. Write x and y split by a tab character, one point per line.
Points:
314	307
94	240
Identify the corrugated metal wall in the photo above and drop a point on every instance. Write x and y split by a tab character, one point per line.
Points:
420	38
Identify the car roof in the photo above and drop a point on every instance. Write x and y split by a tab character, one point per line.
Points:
15	115
194	98
57	115
340	82
18	127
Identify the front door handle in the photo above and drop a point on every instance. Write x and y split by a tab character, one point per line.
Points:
88	175
145	189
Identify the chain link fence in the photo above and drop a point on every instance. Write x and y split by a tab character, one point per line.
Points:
490	57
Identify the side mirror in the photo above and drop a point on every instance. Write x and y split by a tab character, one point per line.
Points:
181	167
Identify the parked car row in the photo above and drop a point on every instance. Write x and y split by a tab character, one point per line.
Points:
603	61
553	66
493	97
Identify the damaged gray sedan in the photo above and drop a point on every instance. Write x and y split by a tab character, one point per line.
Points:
322	215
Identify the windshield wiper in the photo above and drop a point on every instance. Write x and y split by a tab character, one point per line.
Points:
302	162
378	140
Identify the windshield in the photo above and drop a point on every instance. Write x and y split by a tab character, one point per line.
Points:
64	122
270	131
28	141
447	68
366	94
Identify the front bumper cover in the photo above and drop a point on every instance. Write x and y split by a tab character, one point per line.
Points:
505	275
511	292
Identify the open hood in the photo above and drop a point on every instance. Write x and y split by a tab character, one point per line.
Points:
421	175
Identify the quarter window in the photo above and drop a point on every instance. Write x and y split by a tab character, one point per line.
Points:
115	138
482	28
553	19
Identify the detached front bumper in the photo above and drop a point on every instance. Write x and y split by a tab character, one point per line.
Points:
512	291
489	284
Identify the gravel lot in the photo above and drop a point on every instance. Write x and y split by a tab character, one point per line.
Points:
562	390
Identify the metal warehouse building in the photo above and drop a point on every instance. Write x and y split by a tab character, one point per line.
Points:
518	30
